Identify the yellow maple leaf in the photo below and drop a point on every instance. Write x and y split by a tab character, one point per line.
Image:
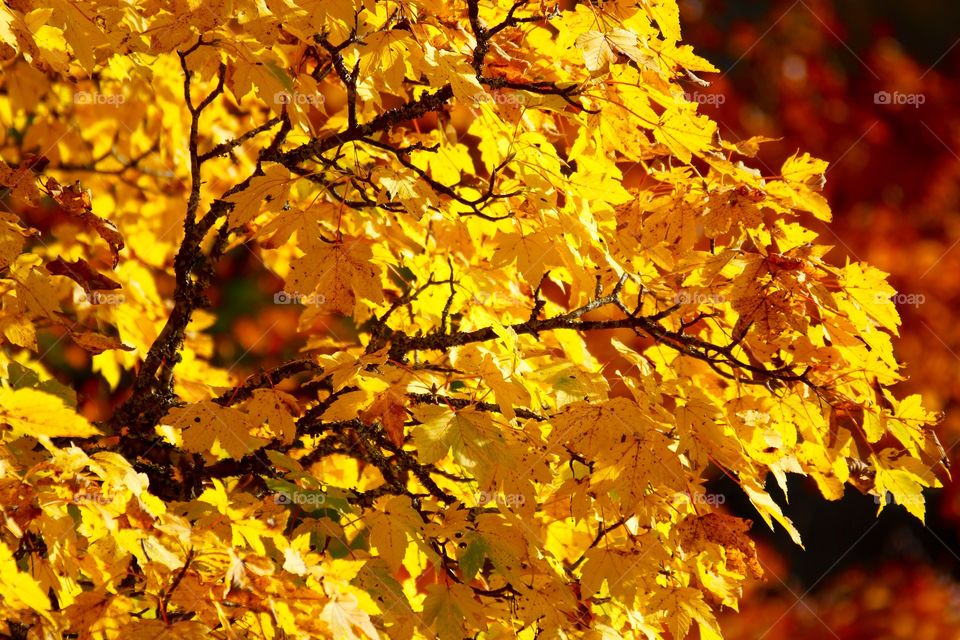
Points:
18	589
270	190
205	424
30	412
341	272
601	49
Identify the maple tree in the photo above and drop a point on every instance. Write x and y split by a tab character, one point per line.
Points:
816	80
568	298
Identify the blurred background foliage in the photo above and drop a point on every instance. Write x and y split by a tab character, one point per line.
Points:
809	72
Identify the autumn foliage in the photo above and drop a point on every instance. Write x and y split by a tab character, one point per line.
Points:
538	295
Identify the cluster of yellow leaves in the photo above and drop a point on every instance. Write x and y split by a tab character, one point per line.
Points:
552	478
110	549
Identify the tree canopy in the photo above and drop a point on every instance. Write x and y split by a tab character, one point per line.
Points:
541	298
